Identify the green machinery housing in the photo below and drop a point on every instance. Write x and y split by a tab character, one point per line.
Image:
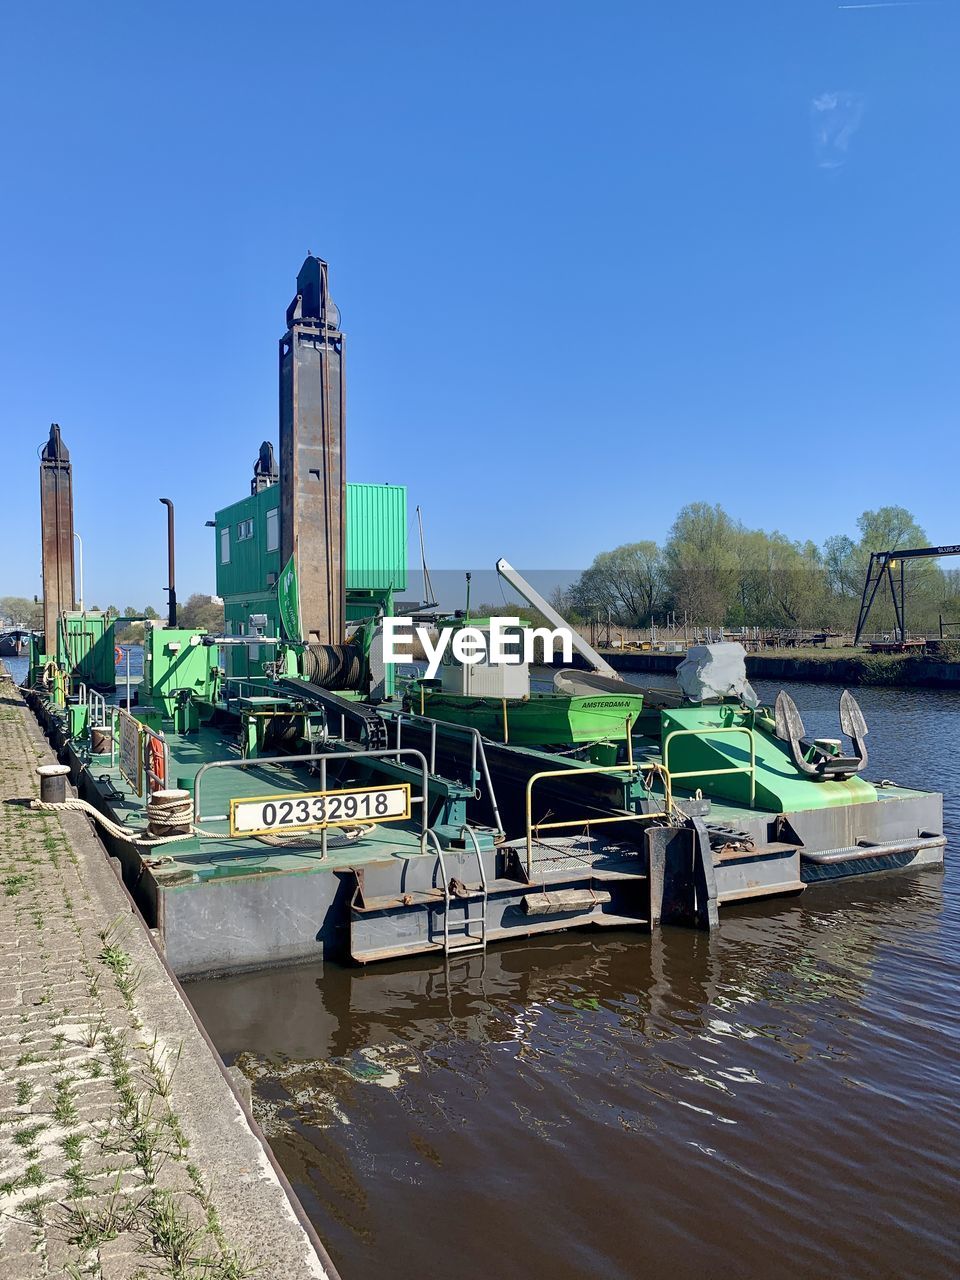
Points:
83	645
248	564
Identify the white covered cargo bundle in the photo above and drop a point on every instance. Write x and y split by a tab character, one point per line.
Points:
710	672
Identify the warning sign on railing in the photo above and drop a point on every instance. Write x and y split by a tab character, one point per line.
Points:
131	751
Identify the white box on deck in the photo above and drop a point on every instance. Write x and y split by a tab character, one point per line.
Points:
484	679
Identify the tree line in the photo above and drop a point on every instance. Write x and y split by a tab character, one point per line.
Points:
714	570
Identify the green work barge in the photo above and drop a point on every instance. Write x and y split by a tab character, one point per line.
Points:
283	792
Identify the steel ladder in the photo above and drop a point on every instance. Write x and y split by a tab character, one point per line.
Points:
465	941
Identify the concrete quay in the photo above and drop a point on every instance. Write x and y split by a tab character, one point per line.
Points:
124	1150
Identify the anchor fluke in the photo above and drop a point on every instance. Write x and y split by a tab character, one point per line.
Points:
787	718
854	725
852	720
790	729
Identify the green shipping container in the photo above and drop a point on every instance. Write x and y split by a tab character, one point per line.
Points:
376	537
248	561
248	541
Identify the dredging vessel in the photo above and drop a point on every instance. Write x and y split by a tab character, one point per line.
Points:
273	794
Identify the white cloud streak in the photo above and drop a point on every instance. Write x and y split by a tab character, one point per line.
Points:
836	117
888	4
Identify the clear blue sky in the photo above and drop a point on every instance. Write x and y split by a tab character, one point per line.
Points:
593	261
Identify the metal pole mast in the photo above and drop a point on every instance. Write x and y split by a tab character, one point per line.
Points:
80	567
171	589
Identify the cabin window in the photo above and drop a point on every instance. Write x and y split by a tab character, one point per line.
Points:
244	530
273	529
225	545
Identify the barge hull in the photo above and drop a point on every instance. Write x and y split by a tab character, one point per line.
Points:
224	908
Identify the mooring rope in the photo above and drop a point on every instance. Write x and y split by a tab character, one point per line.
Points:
157	817
310	840
174	810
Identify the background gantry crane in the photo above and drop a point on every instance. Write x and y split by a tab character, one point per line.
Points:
882	565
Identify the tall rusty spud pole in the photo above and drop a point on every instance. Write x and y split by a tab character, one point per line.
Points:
56	535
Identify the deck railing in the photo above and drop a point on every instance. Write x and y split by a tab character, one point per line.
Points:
750	769
588	822
97	716
479	767
321	760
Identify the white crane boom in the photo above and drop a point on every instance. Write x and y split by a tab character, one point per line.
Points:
533	597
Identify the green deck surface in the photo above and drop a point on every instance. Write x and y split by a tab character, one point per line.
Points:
712	746
226	858
219	858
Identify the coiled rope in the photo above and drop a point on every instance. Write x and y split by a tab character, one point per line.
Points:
171	810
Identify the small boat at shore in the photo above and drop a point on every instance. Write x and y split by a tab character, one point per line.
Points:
539	719
14	643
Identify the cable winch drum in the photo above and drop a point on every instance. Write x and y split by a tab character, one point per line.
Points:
281	733
333	666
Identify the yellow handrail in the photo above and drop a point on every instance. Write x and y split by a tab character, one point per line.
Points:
580	822
751	769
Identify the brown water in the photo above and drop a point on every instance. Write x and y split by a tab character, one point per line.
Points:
779	1099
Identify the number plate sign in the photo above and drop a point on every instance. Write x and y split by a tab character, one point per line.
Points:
309	810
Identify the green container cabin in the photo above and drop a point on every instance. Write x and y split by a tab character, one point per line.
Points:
248	563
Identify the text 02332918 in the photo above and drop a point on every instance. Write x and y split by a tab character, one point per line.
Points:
302	810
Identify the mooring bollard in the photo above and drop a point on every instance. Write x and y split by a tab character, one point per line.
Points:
53	782
169	812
